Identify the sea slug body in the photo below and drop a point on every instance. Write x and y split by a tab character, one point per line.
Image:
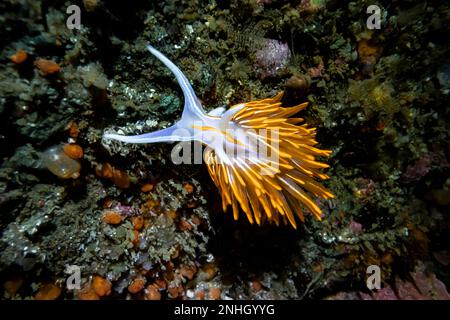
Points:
258	156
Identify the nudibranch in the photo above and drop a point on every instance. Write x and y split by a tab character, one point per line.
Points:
261	159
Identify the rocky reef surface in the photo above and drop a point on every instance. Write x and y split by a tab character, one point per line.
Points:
137	226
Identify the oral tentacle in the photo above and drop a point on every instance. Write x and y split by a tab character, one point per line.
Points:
170	134
191	103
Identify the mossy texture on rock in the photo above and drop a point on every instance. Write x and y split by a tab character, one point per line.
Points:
379	99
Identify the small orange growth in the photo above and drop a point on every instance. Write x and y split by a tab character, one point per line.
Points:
48	291
147	187
72	127
47	66
185	225
214	293
135	239
104	170
13	285
200	295
256	285
188	272
172	214
208	271
152	293
150	204
87	293
189	188
19	57
120	179
138	222
101	286
107	203
136	285
175	291
73	150
112	217
90	5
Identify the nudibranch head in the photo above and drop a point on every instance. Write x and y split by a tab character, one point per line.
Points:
260	158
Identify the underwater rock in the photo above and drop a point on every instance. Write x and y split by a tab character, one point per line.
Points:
356	227
423	286
311	6
13	285
19	250
90	5
439	196
93	76
419	169
382	97
60	164
296	88
443	257
368	55
443	76
25	157
317	72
